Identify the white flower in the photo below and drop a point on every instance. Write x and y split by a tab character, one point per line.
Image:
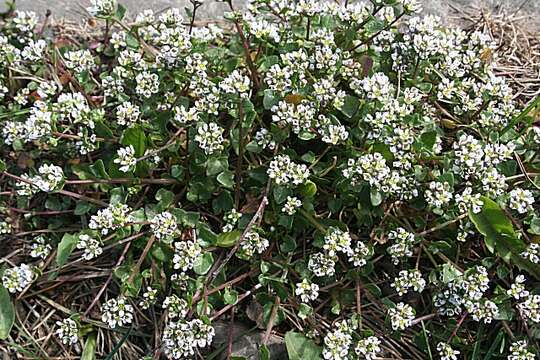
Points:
467	200
127	113
18	278
111	218
521	200
291	205
359	254
408	279
34	50
519	351
230	219
185	116
446	352
101	7
253	243
67	331
338	342
321	265
401	316
209	137
530	308
175	306
368	348
185	254
79	60
532	253
117	312
284	171
517	289
126	158
403	243
236	84
337	240
181	339
307	291
439	194
40	248
149	298
164	226
91	247
147	84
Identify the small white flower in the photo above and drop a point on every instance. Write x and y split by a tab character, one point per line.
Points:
517	289
291	205
185	254
126	158
368	348
408	279
67	331
91	247
164	226
521	200
209	137
117	312
532	253
40	248
175	306
519	351
401	316
149	298
111	218
79	60
101	8
307	291
446	352
321	265
18	278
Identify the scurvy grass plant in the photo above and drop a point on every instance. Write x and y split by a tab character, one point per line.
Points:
357	172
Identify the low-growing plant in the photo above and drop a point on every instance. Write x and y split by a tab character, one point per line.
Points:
359	176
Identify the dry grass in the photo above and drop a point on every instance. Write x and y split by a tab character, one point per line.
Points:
518	38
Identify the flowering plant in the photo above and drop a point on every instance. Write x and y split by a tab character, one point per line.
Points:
357	173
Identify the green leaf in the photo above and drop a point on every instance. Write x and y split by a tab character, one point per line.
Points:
226	178
203	264
7	313
89	352
120	12
65	248
98	170
135	137
375	197
350	106
228	239
2	165
269	99
500	236
82	208
309	189
165	198
264	353
300	347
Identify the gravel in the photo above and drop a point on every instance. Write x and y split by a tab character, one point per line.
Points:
74	9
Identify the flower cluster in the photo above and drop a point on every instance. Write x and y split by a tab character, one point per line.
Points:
113	217
68	331
164	226
183	338
18	277
117	312
285	172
